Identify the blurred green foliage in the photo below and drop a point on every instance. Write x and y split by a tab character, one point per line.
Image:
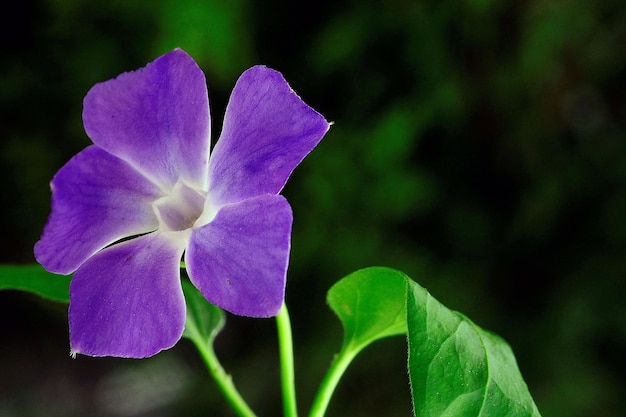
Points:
478	145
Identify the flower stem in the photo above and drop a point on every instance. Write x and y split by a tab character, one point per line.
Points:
330	381
223	380
285	344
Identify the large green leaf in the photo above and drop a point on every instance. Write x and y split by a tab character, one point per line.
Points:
458	369
371	304
35	279
204	320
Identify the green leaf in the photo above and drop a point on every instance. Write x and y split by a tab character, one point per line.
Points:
458	369
204	320
35	279
371	304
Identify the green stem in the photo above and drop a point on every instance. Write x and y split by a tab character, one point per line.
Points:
285	345
330	381
223	380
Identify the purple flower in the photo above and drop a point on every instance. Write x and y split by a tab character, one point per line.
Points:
126	209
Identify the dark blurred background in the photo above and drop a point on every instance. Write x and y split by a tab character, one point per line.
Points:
478	146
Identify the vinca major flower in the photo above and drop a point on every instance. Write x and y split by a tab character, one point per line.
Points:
127	209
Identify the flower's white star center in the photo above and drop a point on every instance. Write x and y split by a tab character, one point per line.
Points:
180	209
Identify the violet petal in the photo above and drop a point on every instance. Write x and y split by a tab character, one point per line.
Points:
127	300
268	130
97	199
156	118
239	260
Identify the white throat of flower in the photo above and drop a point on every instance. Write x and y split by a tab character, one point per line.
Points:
183	209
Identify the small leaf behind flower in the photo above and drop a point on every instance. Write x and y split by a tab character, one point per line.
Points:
204	320
458	369
35	279
371	304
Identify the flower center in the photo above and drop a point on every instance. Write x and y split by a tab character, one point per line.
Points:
180	209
